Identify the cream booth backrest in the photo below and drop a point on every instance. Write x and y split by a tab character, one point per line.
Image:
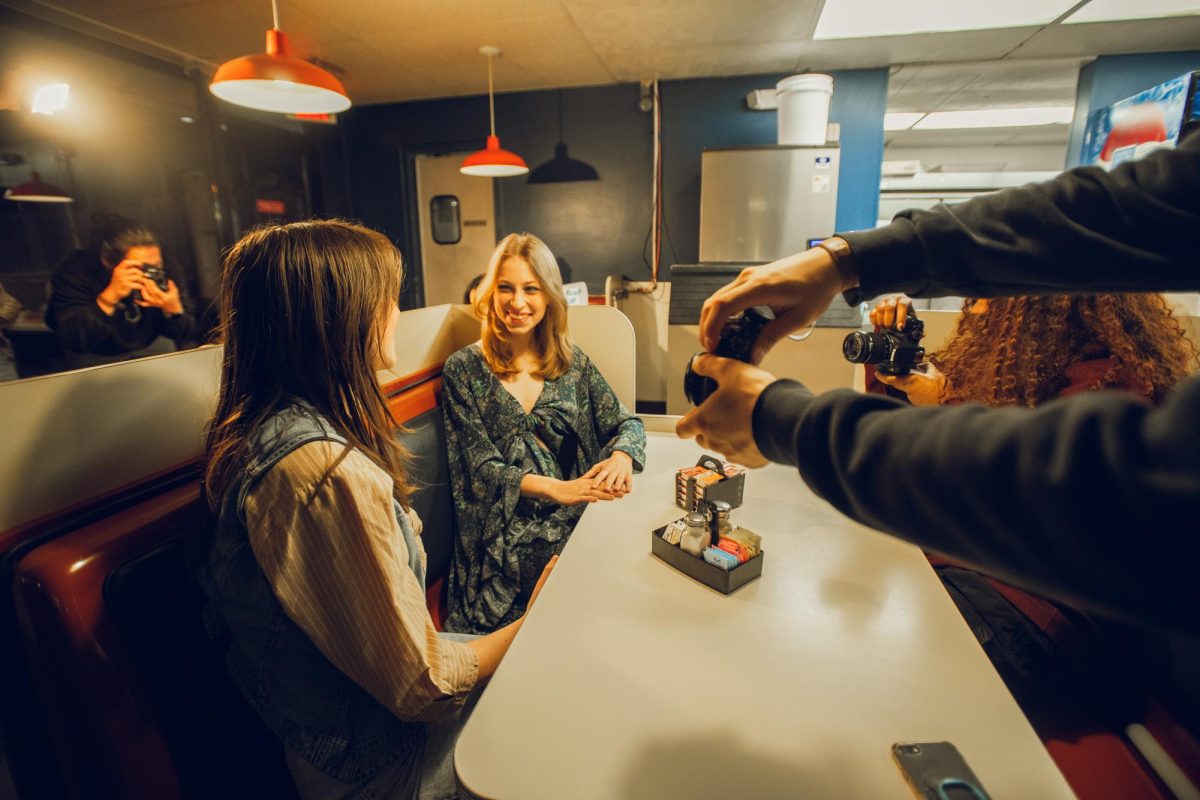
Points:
75	436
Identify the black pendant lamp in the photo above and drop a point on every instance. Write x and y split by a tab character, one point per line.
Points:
562	168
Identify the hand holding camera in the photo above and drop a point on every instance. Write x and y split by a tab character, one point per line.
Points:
736	340
125	279
894	349
156	291
146	286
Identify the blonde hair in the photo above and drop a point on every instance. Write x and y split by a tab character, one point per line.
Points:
554	346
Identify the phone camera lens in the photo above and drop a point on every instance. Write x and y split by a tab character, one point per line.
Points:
910	749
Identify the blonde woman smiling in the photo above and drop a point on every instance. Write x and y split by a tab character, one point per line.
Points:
534	433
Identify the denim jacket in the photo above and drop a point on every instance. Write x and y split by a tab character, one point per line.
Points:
318	712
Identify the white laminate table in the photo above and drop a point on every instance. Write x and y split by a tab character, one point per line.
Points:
630	680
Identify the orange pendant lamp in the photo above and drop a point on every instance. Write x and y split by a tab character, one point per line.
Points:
277	81
35	190
493	161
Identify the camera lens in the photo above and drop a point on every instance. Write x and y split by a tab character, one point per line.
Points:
910	749
860	347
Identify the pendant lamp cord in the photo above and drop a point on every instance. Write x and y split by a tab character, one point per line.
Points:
491	94
275	14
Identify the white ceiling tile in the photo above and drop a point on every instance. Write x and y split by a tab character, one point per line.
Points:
618	27
1145	36
926	47
387	16
698	61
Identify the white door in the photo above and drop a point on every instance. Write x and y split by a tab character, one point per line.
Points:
458	226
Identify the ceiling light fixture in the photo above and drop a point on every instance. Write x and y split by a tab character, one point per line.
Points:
562	168
35	191
858	19
996	118
51	99
1121	10
279	82
493	161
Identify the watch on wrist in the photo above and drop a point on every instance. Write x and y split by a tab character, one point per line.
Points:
843	260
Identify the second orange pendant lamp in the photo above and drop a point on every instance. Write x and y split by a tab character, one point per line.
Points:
278	81
493	161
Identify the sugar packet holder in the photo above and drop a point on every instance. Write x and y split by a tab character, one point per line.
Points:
724	581
692	487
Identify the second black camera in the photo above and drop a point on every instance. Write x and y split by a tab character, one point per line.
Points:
890	351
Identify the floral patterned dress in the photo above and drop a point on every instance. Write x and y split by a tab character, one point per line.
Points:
505	540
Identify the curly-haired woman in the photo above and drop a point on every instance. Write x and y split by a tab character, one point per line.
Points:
1027	351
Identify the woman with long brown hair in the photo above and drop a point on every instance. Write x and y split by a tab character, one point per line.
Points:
316	567
533	432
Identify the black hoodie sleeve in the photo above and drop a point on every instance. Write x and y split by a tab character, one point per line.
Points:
1134	229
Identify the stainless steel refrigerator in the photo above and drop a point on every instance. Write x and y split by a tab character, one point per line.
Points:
758	204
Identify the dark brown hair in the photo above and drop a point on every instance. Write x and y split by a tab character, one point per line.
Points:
302	309
115	235
1018	351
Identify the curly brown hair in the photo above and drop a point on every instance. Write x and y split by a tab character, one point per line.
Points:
1018	351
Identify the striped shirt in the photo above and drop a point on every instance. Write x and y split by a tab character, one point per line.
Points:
335	557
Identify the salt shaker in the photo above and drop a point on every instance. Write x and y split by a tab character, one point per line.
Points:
696	535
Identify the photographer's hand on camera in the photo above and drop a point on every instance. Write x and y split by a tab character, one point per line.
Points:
891	312
797	288
724	422
126	277
154	297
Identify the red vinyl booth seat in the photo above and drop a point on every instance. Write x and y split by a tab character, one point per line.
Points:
130	697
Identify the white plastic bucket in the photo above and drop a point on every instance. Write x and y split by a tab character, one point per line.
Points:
804	108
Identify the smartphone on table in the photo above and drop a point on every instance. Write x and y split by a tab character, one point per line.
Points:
937	771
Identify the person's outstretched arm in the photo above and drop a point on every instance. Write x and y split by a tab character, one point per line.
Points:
1093	499
1136	228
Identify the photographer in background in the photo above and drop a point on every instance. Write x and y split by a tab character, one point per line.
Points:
119	300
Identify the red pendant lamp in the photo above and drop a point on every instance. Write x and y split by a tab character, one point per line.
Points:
493	161
35	191
279	82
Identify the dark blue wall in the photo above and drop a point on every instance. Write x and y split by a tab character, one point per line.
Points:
600	227
596	227
1111	78
712	112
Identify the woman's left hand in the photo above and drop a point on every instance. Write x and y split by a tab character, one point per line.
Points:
614	473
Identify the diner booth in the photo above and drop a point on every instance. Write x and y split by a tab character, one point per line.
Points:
110	686
845	644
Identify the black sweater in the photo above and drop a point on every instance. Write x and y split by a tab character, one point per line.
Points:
83	328
1093	499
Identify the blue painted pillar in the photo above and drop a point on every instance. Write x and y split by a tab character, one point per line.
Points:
1111	78
859	103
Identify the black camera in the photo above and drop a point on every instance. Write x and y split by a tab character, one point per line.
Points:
154	273
737	341
892	352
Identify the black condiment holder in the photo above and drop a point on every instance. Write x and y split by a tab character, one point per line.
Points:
724	581
728	489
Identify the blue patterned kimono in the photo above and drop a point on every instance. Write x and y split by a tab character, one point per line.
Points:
505	540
